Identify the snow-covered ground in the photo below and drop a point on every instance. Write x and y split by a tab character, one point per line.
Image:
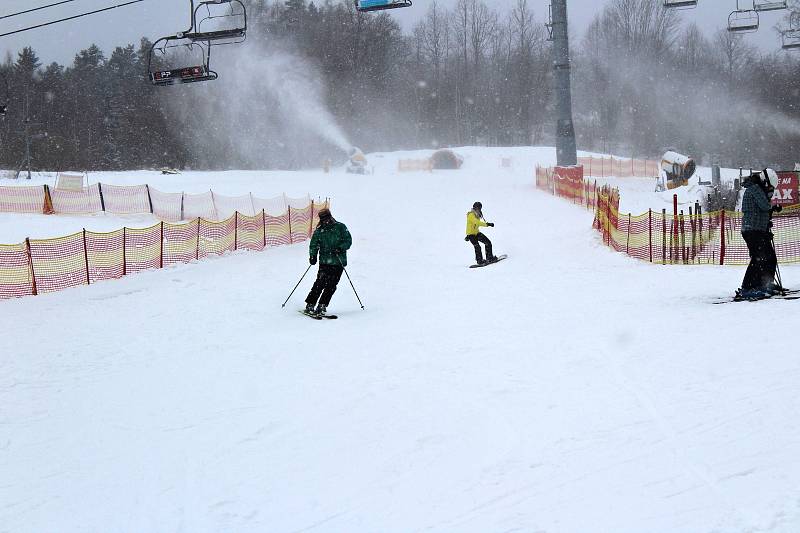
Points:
567	389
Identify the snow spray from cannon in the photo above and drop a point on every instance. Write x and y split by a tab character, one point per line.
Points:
267	106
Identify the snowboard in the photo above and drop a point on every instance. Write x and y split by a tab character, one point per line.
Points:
317	317
499	258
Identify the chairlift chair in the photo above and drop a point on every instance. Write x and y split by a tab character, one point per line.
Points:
185	74
217	26
680	4
743	20
790	39
768	5
365	6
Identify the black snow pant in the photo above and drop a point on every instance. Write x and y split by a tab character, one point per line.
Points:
327	279
763	262
475	239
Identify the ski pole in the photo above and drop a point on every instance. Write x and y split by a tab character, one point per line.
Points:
295	287
351	281
777	268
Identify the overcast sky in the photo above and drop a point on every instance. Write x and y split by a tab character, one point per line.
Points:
156	18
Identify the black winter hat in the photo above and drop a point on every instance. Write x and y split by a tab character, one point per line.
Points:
477	205
325	214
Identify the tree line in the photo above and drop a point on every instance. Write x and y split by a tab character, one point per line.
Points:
643	82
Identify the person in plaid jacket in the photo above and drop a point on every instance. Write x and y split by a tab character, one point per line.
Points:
757	212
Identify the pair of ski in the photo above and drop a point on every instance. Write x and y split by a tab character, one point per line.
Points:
787	294
316	316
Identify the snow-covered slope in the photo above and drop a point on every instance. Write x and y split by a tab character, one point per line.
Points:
567	389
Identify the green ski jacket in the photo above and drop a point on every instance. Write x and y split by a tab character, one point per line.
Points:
331	241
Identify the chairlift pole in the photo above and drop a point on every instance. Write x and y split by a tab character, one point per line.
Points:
26	164
28	145
566	150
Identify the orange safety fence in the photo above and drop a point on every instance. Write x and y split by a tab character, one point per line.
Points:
15	271
567	182
167	205
139	199
228	205
606	167
691	237
83	202
22	200
199	205
122	200
415	165
46	265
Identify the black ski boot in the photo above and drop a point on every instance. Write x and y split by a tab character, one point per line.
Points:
321	310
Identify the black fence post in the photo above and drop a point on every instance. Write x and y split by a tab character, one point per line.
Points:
150	199
102	200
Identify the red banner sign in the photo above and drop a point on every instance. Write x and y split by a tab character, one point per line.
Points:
786	193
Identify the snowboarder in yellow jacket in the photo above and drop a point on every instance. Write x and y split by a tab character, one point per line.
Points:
474	236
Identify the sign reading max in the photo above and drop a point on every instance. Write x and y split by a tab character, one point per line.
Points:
786	193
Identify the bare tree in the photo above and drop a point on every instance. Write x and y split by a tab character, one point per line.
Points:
642	27
482	25
435	38
693	51
522	28
733	54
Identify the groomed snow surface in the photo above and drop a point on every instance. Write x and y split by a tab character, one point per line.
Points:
567	389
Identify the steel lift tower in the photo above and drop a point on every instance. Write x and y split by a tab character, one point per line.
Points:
566	150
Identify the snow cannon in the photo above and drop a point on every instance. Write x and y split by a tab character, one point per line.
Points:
678	169
357	164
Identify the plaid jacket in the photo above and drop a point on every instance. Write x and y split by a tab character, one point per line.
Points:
756	208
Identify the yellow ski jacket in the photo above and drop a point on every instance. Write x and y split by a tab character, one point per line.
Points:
474	223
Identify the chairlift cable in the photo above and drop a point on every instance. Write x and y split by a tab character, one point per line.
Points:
35	9
71	18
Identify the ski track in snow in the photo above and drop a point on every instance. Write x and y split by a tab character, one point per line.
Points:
566	389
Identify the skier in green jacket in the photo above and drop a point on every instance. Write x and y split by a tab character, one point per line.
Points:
331	240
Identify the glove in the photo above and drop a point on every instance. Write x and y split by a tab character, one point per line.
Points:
466	238
777	208
490	224
312	260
